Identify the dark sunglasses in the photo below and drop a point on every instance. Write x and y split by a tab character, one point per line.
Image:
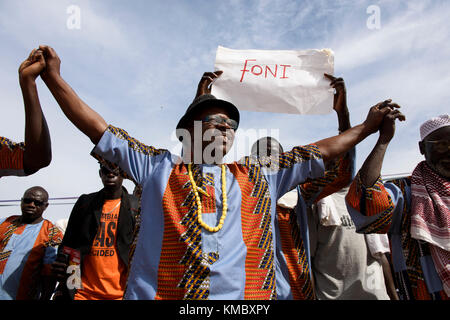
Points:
217	120
37	203
440	146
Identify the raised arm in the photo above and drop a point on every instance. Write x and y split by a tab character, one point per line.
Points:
206	82
340	102
337	146
338	173
371	169
76	110
372	204
38	152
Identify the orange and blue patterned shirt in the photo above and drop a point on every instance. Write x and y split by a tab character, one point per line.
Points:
385	207
174	257
26	253
11	158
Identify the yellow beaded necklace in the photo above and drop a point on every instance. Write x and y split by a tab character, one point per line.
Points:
199	202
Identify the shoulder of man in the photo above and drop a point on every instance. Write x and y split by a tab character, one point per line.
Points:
9	219
402	183
55	235
88	198
134	204
11	144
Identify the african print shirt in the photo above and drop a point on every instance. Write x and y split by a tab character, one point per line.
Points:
386	208
175	258
11	158
293	224
26	253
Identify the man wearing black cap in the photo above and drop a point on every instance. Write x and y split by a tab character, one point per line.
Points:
206	227
212	120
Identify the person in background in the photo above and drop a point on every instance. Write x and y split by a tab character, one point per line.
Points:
347	265
344	264
292	207
101	227
414	211
28	246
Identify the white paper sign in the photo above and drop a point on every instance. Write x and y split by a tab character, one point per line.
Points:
282	81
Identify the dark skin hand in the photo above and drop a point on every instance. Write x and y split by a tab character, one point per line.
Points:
59	268
38	152
32	66
339	106
206	82
340	101
337	146
76	110
371	169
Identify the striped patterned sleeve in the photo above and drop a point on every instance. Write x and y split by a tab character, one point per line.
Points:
336	177
54	239
11	158
373	209
135	160
287	170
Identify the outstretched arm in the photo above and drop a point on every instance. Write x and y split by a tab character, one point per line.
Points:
38	152
76	110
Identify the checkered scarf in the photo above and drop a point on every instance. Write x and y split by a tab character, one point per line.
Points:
430	217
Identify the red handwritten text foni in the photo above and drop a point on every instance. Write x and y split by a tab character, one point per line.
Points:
264	70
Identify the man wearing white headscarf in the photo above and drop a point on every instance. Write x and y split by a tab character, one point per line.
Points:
414	211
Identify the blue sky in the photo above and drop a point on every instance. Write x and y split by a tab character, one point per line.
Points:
138	63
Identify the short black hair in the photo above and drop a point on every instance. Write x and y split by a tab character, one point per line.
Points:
264	143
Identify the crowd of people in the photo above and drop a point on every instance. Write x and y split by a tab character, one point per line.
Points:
276	224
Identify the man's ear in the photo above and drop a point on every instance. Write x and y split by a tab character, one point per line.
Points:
422	147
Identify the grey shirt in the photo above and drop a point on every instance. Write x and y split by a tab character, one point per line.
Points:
342	264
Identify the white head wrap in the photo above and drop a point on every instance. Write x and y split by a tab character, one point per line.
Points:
433	124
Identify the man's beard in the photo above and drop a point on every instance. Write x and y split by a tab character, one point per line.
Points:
440	169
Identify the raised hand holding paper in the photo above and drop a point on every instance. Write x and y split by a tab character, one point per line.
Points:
282	81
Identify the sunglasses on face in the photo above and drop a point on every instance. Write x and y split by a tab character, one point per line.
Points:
218	120
37	203
440	146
